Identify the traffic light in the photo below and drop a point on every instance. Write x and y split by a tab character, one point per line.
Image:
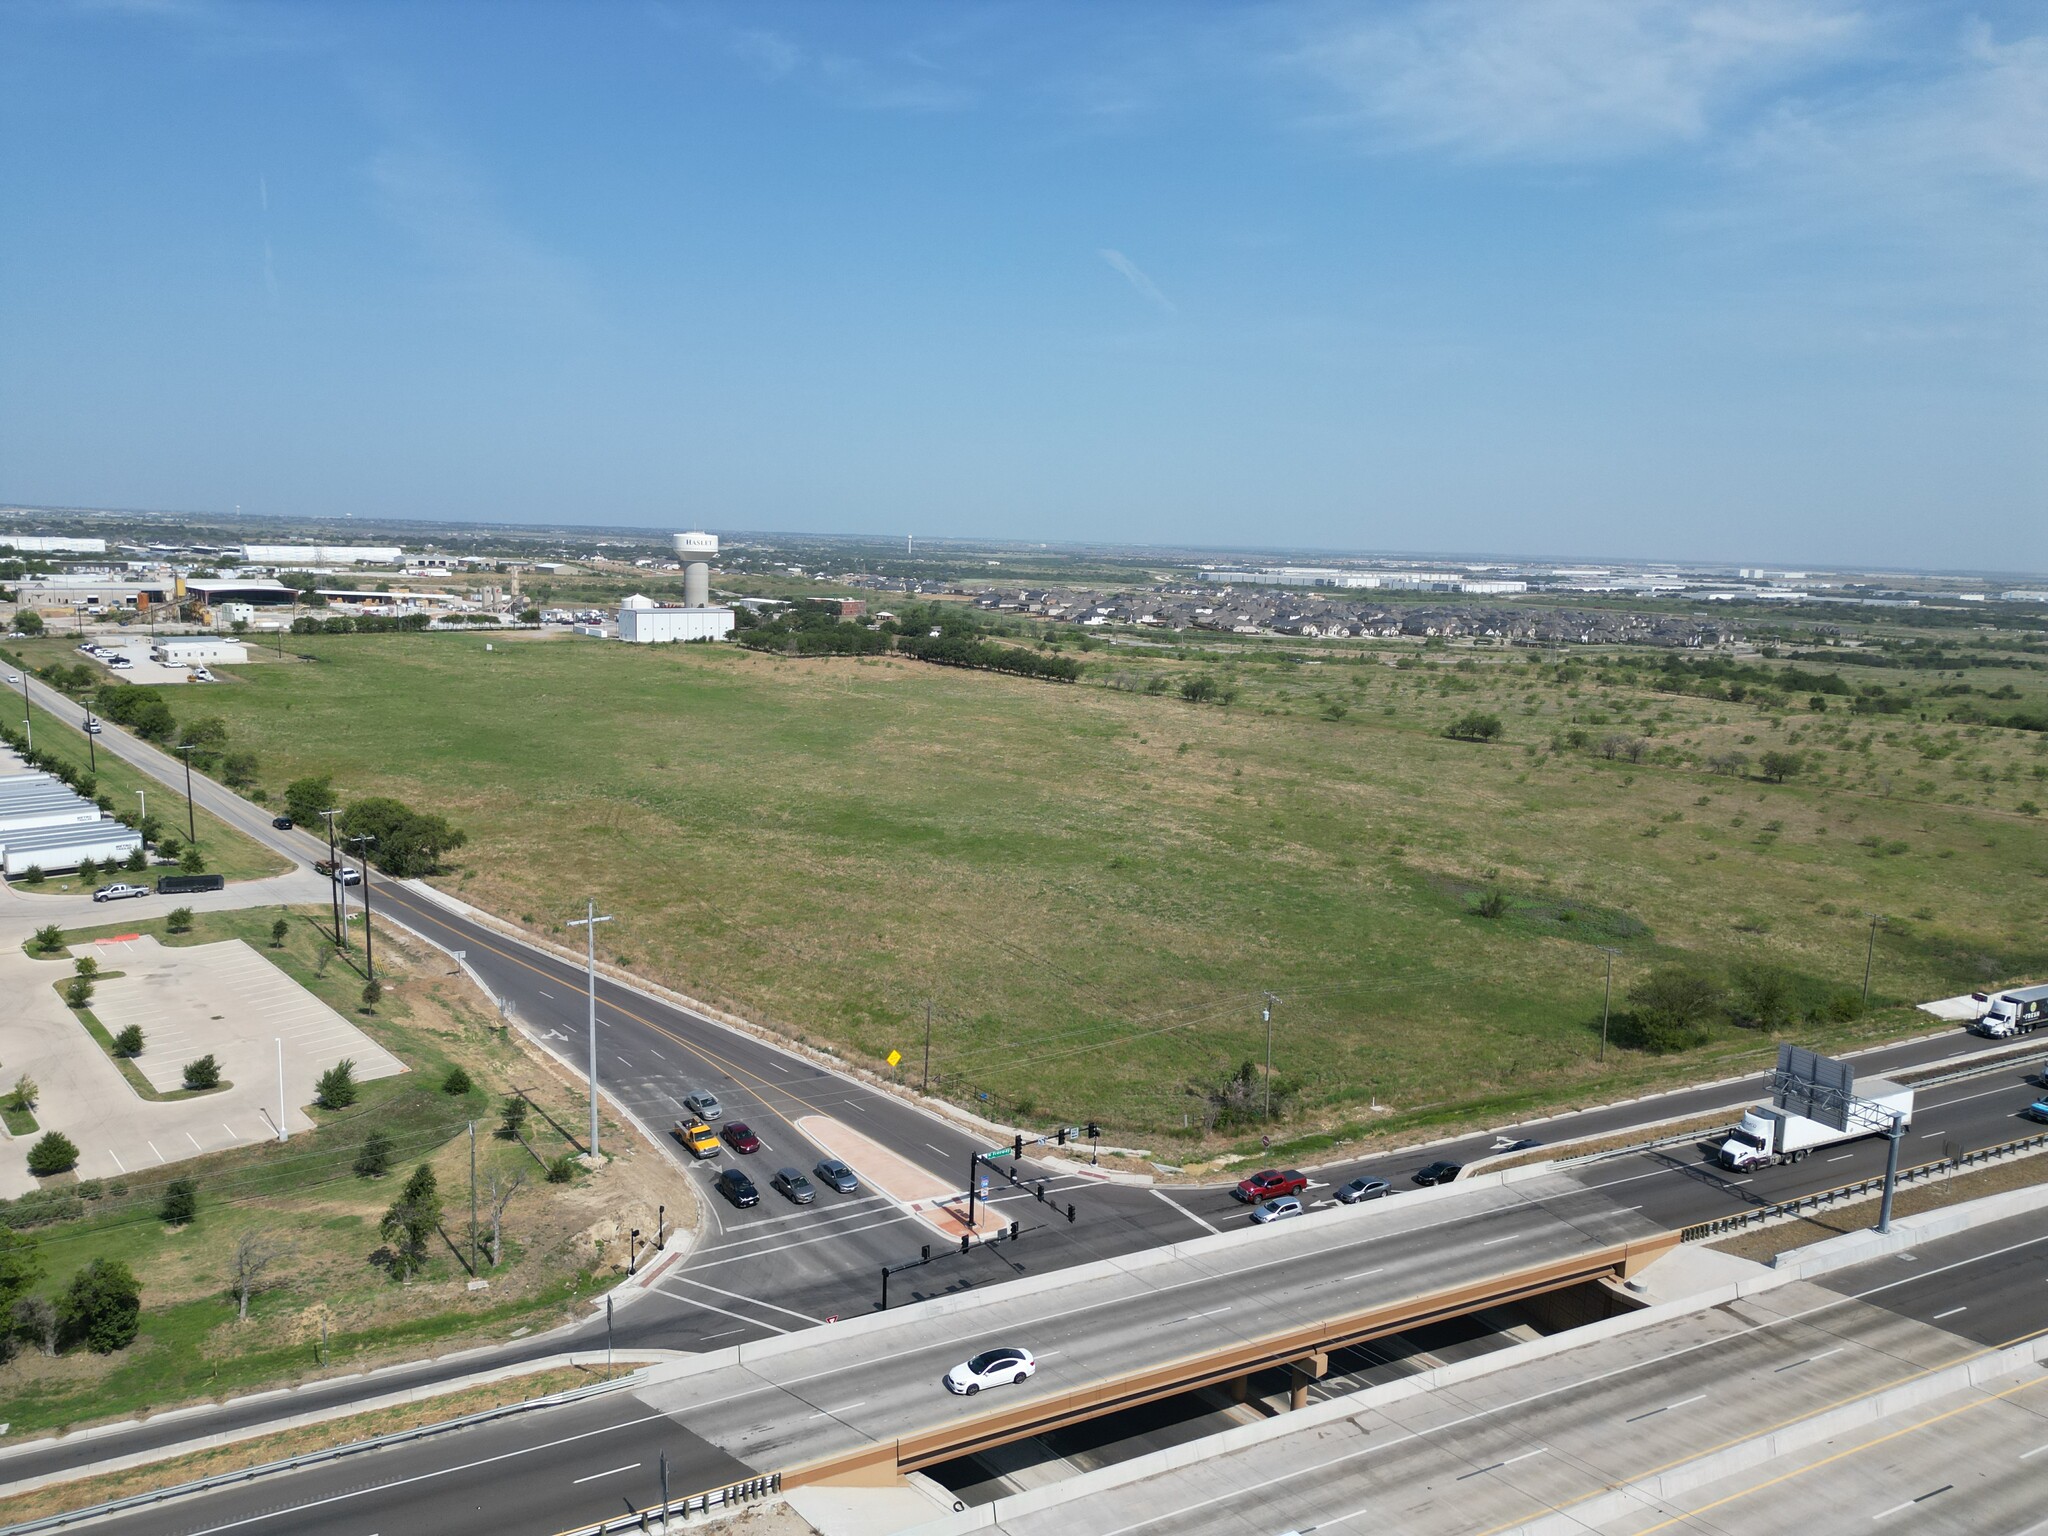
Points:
926	1254
1070	1212
963	1242
1094	1130
1015	1228
1041	1190
1017	1149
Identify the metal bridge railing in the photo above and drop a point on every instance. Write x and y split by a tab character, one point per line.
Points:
656	1518
1861	1189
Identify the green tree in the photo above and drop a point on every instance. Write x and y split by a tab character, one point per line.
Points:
21	1266
78	991
337	1086
86	966
192	861
88	871
373	1157
28	622
25	1092
305	799
239	769
181	1202
1198	689
373	991
203	1073
409	1225
101	1308
562	1169
1475	726
513	1114
136	862
55	1153
457	1081
33	875
129	1041
179	920
49	939
408	842
1778	766
279	932
1762	996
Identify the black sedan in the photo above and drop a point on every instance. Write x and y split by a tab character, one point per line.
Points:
737	1188
1438	1173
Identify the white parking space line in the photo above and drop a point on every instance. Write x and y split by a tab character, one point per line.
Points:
152	1147
117	1161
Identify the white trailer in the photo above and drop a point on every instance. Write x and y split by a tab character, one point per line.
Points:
2018	1012
1770	1135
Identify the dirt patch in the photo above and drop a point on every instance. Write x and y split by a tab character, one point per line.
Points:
1767	1242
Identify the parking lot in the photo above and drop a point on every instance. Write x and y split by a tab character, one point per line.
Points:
224	999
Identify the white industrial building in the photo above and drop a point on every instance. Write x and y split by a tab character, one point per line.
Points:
54	848
645	622
199	652
39	544
321	554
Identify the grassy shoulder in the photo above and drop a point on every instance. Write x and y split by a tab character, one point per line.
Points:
84	1492
228	853
1093	885
1765	1243
325	1306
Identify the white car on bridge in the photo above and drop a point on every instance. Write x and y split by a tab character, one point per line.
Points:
991	1368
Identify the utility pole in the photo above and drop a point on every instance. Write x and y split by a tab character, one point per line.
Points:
369	935
1267	1014
334	881
92	751
927	1086
191	816
1607	999
472	1197
28	726
1870	954
589	924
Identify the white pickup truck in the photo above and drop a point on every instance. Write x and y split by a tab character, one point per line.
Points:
1770	1135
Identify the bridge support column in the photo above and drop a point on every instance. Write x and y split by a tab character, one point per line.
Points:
1239	1388
1306	1374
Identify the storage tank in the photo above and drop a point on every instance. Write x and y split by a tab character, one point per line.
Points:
696	551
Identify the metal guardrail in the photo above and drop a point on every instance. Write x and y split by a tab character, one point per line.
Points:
1983	1068
1678	1139
1860	1190
59	1521
742	1492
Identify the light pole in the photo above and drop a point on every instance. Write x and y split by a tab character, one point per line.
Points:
369	934
143	814
28	726
926	1087
1870	954
1267	1014
191	817
1607	998
588	924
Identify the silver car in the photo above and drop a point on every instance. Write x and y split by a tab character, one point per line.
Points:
702	1103
1276	1210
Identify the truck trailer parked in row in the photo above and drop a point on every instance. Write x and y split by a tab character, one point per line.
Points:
2018	1012
1770	1135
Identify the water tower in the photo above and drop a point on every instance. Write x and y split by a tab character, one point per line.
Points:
696	551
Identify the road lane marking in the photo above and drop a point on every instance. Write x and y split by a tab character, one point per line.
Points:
1843	1158
543	992
725	1335
2037	1450
1191	1216
1933	1494
802	1242
1681	1403
614	1472
1951	1312
940	1150
1361	1274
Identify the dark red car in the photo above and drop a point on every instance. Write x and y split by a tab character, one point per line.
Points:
1271	1184
739	1138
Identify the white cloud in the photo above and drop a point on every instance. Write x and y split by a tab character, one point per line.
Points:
1131	273
1566	79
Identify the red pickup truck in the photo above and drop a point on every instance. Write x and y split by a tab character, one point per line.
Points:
1271	1184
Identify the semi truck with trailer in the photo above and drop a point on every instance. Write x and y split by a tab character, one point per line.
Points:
2018	1012
1770	1135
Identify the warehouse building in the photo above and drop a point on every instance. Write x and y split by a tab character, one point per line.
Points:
645	622
56	807
42	544
53	848
320	554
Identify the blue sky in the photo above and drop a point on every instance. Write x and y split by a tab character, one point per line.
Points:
1760	280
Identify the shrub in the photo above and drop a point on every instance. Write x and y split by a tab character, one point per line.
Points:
373	1158
25	1092
136	861
181	1202
514	1113
88	871
279	932
49	939
562	1169
33	875
373	991
337	1087
192	861
179	920
1670	1009
55	1153
129	1041
86	966
1779	766
1491	904
102	1307
203	1073
457	1081
78	991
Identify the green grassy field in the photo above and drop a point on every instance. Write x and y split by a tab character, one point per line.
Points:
306	1194
1094	884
